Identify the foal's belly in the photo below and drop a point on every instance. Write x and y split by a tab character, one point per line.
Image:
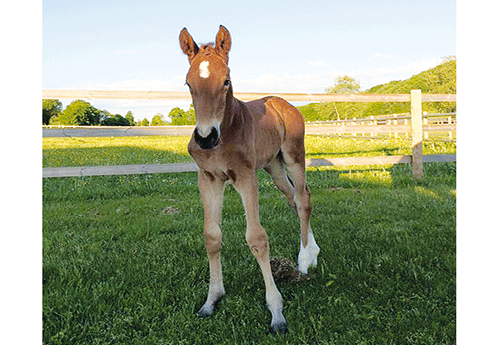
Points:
267	147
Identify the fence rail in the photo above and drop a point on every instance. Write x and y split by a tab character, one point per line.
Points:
393	125
191	167
372	130
114	131
244	96
415	98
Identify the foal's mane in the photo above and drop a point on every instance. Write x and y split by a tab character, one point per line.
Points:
207	48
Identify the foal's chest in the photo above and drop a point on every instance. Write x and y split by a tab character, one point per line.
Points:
223	161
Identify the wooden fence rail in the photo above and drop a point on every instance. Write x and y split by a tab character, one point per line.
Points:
191	167
244	96
415	98
345	129
442	124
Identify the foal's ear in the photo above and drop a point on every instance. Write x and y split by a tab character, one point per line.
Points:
188	46
223	42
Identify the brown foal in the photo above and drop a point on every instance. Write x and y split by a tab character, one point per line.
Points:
231	140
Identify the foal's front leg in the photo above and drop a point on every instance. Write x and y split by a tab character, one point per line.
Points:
212	190
259	245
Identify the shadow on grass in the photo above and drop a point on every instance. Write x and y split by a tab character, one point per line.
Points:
361	153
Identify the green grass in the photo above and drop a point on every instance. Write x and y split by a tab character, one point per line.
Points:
59	152
124	259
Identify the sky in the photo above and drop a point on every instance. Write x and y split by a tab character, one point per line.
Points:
277	46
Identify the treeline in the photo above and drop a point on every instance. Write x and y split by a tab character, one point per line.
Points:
82	113
441	79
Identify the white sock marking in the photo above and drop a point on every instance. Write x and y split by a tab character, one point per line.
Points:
308	255
204	72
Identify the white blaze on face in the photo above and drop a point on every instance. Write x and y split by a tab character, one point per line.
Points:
204	72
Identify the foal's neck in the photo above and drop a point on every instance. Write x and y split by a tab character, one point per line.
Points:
234	115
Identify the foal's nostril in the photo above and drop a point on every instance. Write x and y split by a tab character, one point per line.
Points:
208	142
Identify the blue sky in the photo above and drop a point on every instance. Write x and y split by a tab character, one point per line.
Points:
278	46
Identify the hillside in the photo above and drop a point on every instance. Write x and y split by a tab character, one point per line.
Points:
440	79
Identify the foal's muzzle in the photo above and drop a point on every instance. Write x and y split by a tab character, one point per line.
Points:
208	142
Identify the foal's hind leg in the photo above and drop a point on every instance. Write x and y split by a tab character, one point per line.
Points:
280	179
309	250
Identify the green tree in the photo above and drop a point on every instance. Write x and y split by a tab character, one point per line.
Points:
79	112
50	108
116	120
344	84
104	116
158	120
130	117
181	117
144	122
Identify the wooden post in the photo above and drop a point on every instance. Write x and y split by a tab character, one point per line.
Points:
416	134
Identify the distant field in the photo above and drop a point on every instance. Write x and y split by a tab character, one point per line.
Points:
58	152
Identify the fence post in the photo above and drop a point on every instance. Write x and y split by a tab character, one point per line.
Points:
416	134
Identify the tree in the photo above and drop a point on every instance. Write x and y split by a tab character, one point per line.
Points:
130	117
158	120
116	120
50	108
104	116
79	112
180	117
344	84
144	122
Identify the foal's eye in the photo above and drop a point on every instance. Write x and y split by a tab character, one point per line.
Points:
227	82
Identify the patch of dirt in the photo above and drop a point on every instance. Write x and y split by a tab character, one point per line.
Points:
338	189
284	270
170	210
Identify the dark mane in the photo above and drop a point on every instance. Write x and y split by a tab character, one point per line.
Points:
207	48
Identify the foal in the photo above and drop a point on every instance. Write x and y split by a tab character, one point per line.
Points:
231	140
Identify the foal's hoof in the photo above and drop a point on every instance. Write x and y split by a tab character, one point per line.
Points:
208	308
205	312
279	327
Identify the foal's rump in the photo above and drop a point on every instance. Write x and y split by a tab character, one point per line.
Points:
279	127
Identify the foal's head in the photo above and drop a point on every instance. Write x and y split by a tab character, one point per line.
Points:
209	84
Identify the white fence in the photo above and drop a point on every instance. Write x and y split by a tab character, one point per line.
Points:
415	121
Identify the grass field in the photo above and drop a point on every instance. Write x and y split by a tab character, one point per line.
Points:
59	152
124	259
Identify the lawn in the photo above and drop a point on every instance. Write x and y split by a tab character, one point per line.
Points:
85	151
124	259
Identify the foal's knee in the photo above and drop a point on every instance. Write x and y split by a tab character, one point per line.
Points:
258	243
213	241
